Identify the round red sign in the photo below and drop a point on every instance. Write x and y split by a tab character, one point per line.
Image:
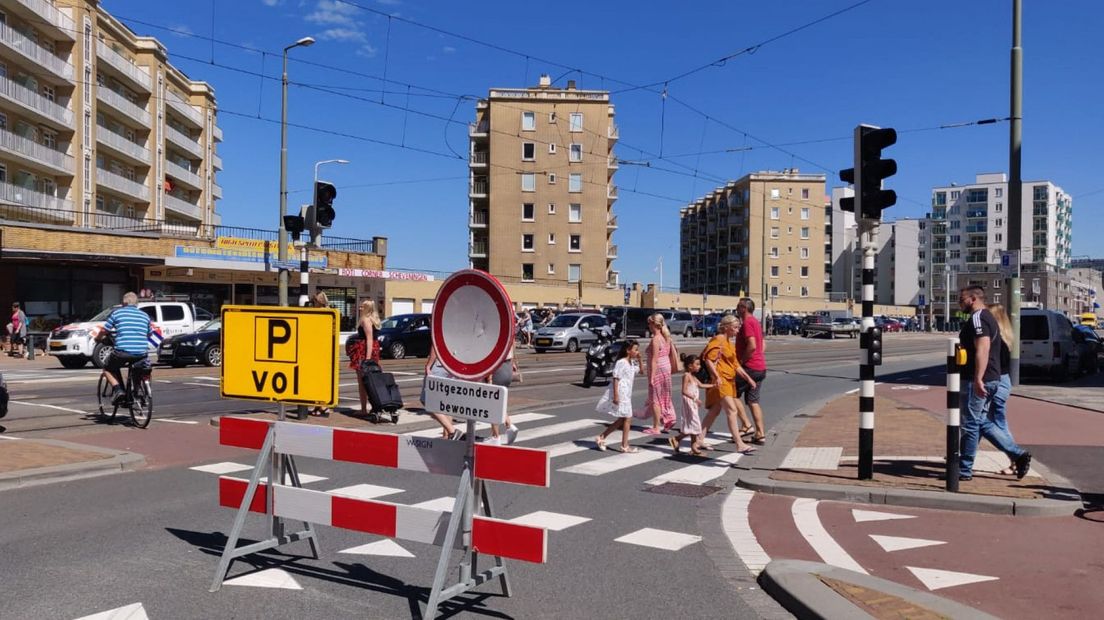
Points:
473	324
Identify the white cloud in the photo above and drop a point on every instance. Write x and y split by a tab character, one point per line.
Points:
330	12
180	30
343	34
367	51
448	49
272	2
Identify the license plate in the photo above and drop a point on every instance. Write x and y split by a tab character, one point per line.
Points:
54	346
166	347
544	342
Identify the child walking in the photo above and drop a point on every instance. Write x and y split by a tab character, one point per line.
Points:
617	401
691	400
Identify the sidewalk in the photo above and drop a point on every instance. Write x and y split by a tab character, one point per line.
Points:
1083	393
24	462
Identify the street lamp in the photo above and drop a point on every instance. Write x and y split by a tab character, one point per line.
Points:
317	165
281	235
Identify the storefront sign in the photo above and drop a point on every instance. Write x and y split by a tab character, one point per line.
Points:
385	275
239	255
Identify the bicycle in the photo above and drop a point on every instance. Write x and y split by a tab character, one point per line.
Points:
137	394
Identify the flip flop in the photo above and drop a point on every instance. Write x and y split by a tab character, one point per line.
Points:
601	444
630	450
747	451
650	431
759	441
674	444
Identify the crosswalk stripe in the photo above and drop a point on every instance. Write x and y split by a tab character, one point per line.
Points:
618	461
479	426
584	444
699	473
555	429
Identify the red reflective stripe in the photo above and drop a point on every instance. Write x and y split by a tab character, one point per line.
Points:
242	432
363	515
232	492
364	447
509	540
510	464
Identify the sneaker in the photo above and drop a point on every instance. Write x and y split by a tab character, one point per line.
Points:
1023	464
965	478
457	435
117	395
493	441
511	434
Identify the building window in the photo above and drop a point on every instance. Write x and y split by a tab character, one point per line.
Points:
804	193
775	213
774	252
528	121
998	192
775	194
804	272
49	138
575	213
954	195
774	271
573	273
956	238
804	213
551	238
804	232
999	207
804	252
804	291
575	182
774	291
527	243
527	272
996	296
576	123
551	117
999	222
774	232
575	243
551	148
551	178
956	224
527	214
528	182
576	152
528	151
551	208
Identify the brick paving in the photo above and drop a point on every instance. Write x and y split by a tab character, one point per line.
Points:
879	604
29	454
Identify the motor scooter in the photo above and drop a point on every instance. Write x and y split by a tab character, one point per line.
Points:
601	355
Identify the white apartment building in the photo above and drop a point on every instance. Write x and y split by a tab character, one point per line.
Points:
896	269
839	246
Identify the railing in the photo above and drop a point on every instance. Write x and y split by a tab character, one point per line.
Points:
44	9
123	105
975	258
183	108
122	143
216	162
122	184
479	188
183	141
123	65
30	198
479	218
613	133
183	207
976	228
182	174
477	248
34	52
611	221
216	191
611	163
22	95
611	251
611	192
975	213
216	133
479	129
479	158
41	153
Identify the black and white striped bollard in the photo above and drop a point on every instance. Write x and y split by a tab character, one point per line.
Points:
954	414
868	357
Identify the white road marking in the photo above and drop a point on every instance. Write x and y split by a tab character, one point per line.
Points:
206	378
582	445
805	517
443	504
852	391
659	539
134	611
900	543
737	527
934	579
699	473
226	467
618	461
862	516
555	429
175	421
386	548
365	491
207	385
67	409
479	426
303	478
270	578
10	438
813	458
550	520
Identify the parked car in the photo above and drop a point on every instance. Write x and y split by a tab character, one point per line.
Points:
785	324
1091	347
75	344
888	324
706	326
637	320
679	323
568	332
1047	345
203	346
405	335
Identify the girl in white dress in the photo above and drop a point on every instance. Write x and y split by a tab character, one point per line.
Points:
617	401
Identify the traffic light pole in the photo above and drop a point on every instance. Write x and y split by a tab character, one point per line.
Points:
869	229
1015	191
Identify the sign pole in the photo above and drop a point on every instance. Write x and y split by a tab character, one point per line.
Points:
866	365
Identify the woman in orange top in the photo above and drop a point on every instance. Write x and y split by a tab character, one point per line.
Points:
720	358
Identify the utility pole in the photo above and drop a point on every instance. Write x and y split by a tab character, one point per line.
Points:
1015	189
946	297
281	231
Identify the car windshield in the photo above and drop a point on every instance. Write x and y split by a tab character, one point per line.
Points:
841	320
395	323
211	326
564	320
103	314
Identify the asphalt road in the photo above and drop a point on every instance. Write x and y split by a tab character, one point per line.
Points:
152	537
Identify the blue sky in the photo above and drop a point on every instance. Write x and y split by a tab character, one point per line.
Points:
909	65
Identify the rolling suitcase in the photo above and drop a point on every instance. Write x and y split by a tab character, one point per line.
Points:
383	392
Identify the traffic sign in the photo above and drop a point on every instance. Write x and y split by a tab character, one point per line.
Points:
280	354
1010	263
473	324
922	300
482	402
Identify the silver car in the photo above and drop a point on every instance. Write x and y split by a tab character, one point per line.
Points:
679	322
568	332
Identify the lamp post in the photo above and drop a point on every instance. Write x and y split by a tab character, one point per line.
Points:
318	165
281	235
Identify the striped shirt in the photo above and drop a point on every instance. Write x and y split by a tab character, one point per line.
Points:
132	328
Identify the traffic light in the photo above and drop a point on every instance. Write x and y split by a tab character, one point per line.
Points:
871	342
869	172
324	194
294	225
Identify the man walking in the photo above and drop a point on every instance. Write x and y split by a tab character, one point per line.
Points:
980	338
750	349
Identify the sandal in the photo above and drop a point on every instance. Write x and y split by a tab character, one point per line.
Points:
601	444
747	430
704	448
650	431
696	452
748	450
675	445
759	441
630	450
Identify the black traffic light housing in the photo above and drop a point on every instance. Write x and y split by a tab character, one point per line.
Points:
869	172
871	342
294	225
324	194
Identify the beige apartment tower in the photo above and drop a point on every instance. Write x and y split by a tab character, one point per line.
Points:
97	129
762	236
541	193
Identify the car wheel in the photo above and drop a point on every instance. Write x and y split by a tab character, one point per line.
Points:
213	356
100	355
689	333
397	350
540	350
73	361
572	345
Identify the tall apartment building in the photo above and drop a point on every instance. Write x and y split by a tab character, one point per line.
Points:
762	235
96	127
839	242
541	193
968	228
896	268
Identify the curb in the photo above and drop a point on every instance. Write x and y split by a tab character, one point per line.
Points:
118	463
797	586
1055	402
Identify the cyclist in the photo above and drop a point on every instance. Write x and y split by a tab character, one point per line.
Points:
131	329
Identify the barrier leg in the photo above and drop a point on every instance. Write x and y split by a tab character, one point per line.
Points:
228	554
312	534
435	595
503	578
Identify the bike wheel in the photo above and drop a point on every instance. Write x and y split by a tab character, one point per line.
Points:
103	398
141	403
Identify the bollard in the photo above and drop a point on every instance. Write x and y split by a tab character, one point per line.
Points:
30	347
953	414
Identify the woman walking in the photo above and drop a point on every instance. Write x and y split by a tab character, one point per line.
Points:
661	356
367	349
617	401
998	409
720	359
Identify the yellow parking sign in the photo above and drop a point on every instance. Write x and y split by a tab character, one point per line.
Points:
280	354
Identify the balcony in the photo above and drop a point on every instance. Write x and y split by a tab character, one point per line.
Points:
183	207
613	133
478	188
123	106
611	222
976	229
25	148
976	258
121	184
216	133
478	159
186	177
477	249
32	51
184	109
216	162
977	213
123	145
611	192
216	191
479	130
611	163
135	75
19	195
35	103
478	219
47	12
611	251
187	144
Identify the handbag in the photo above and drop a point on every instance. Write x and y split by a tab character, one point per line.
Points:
351	344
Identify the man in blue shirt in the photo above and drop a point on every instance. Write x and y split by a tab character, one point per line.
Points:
131	329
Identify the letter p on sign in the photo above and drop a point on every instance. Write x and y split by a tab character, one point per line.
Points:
277	339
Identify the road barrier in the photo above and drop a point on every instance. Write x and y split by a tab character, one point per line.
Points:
461	528
954	412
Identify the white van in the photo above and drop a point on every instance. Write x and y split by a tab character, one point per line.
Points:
75	344
1047	345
